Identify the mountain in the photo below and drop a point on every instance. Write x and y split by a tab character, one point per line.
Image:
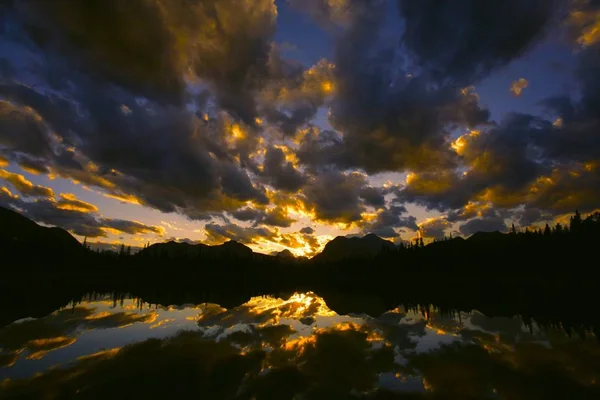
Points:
487	237
342	248
227	250
20	234
285	255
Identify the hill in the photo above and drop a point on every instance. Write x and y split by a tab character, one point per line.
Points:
227	250
342	248
19	235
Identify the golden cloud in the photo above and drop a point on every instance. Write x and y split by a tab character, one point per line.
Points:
434	228
69	201
4	190
123	198
26	187
431	183
517	87
586	23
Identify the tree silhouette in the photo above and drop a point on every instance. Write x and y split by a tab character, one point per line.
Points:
575	223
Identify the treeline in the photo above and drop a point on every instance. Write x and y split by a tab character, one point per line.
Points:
553	254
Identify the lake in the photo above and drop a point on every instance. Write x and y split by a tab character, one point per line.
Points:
295	346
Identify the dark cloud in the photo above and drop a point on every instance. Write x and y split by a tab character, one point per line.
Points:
152	46
434	228
390	120
373	196
294	94
31	164
22	130
483	225
163	156
331	13
529	216
277	217
307	230
464	42
500	163
77	222
146	63
130	227
274	217
75	216
248	214
335	196
216	234
281	173
571	138
237	184
389	220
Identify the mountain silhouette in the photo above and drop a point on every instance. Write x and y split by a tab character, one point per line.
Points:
230	249
341	248
20	234
285	254
487	237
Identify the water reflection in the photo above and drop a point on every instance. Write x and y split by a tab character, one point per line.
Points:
273	348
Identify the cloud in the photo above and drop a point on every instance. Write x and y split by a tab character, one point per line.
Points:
237	184
465	42
217	234
68	201
307	230
22	130
500	165
517	87
335	196
131	227
330	13
583	23
281	173
373	196
434	228
276	216
24	186
389	121
248	214
75	215
293	95
225	43
388	220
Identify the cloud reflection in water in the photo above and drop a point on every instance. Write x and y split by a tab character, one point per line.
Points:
270	347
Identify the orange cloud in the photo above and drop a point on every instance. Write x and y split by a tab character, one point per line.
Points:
517	87
122	197
431	183
26	187
586	24
68	201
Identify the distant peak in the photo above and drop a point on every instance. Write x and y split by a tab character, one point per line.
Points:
286	254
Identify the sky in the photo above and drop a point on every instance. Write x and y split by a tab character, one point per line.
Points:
282	124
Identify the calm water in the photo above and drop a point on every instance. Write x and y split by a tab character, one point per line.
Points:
289	348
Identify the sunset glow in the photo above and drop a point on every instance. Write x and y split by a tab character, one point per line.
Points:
228	122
